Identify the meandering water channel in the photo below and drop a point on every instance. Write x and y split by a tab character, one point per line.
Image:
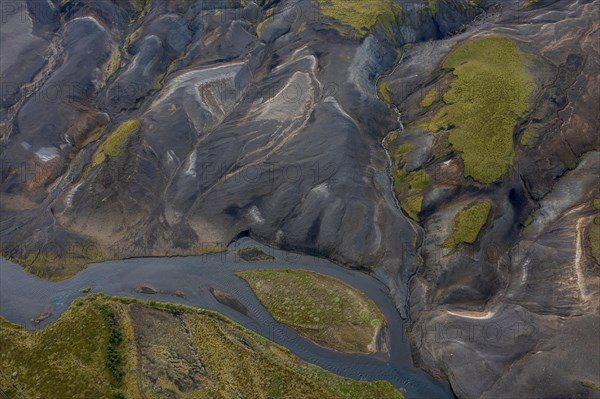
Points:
23	297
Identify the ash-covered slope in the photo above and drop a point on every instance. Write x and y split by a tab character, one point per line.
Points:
161	128
134	128
512	312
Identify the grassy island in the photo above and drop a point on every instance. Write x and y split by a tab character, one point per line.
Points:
322	308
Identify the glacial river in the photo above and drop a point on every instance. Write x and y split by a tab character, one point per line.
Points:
24	297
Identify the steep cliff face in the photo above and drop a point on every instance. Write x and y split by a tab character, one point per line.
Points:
146	127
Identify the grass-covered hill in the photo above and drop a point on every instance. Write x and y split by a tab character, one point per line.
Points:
108	347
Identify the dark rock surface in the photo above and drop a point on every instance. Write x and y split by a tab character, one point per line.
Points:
515	314
261	118
228	300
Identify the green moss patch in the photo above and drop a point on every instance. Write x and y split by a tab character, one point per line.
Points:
111	66
362	15
190	352
253	254
320	307
467	224
530	3
64	360
51	265
432	6
384	92
594	238
529	137
141	6
490	92
430	97
66	263
408	186
115	141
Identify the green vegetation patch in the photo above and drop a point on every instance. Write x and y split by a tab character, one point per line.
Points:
432	6
589	384
430	97
141	6
261	27
362	15
594	237
115	141
111	66
408	186
66	359
113	355
253	254
64	264
530	3
467	224
384	92
530	137
191	353
409	189
490	92
322	308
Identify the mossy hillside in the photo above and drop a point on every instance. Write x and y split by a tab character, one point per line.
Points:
53	265
362	15
594	234
68	261
253	254
594	238
429	98
467	224
270	371
384	92
141	6
67	359
238	362
115	141
320	307
408	186
491	90
432	6
529	137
